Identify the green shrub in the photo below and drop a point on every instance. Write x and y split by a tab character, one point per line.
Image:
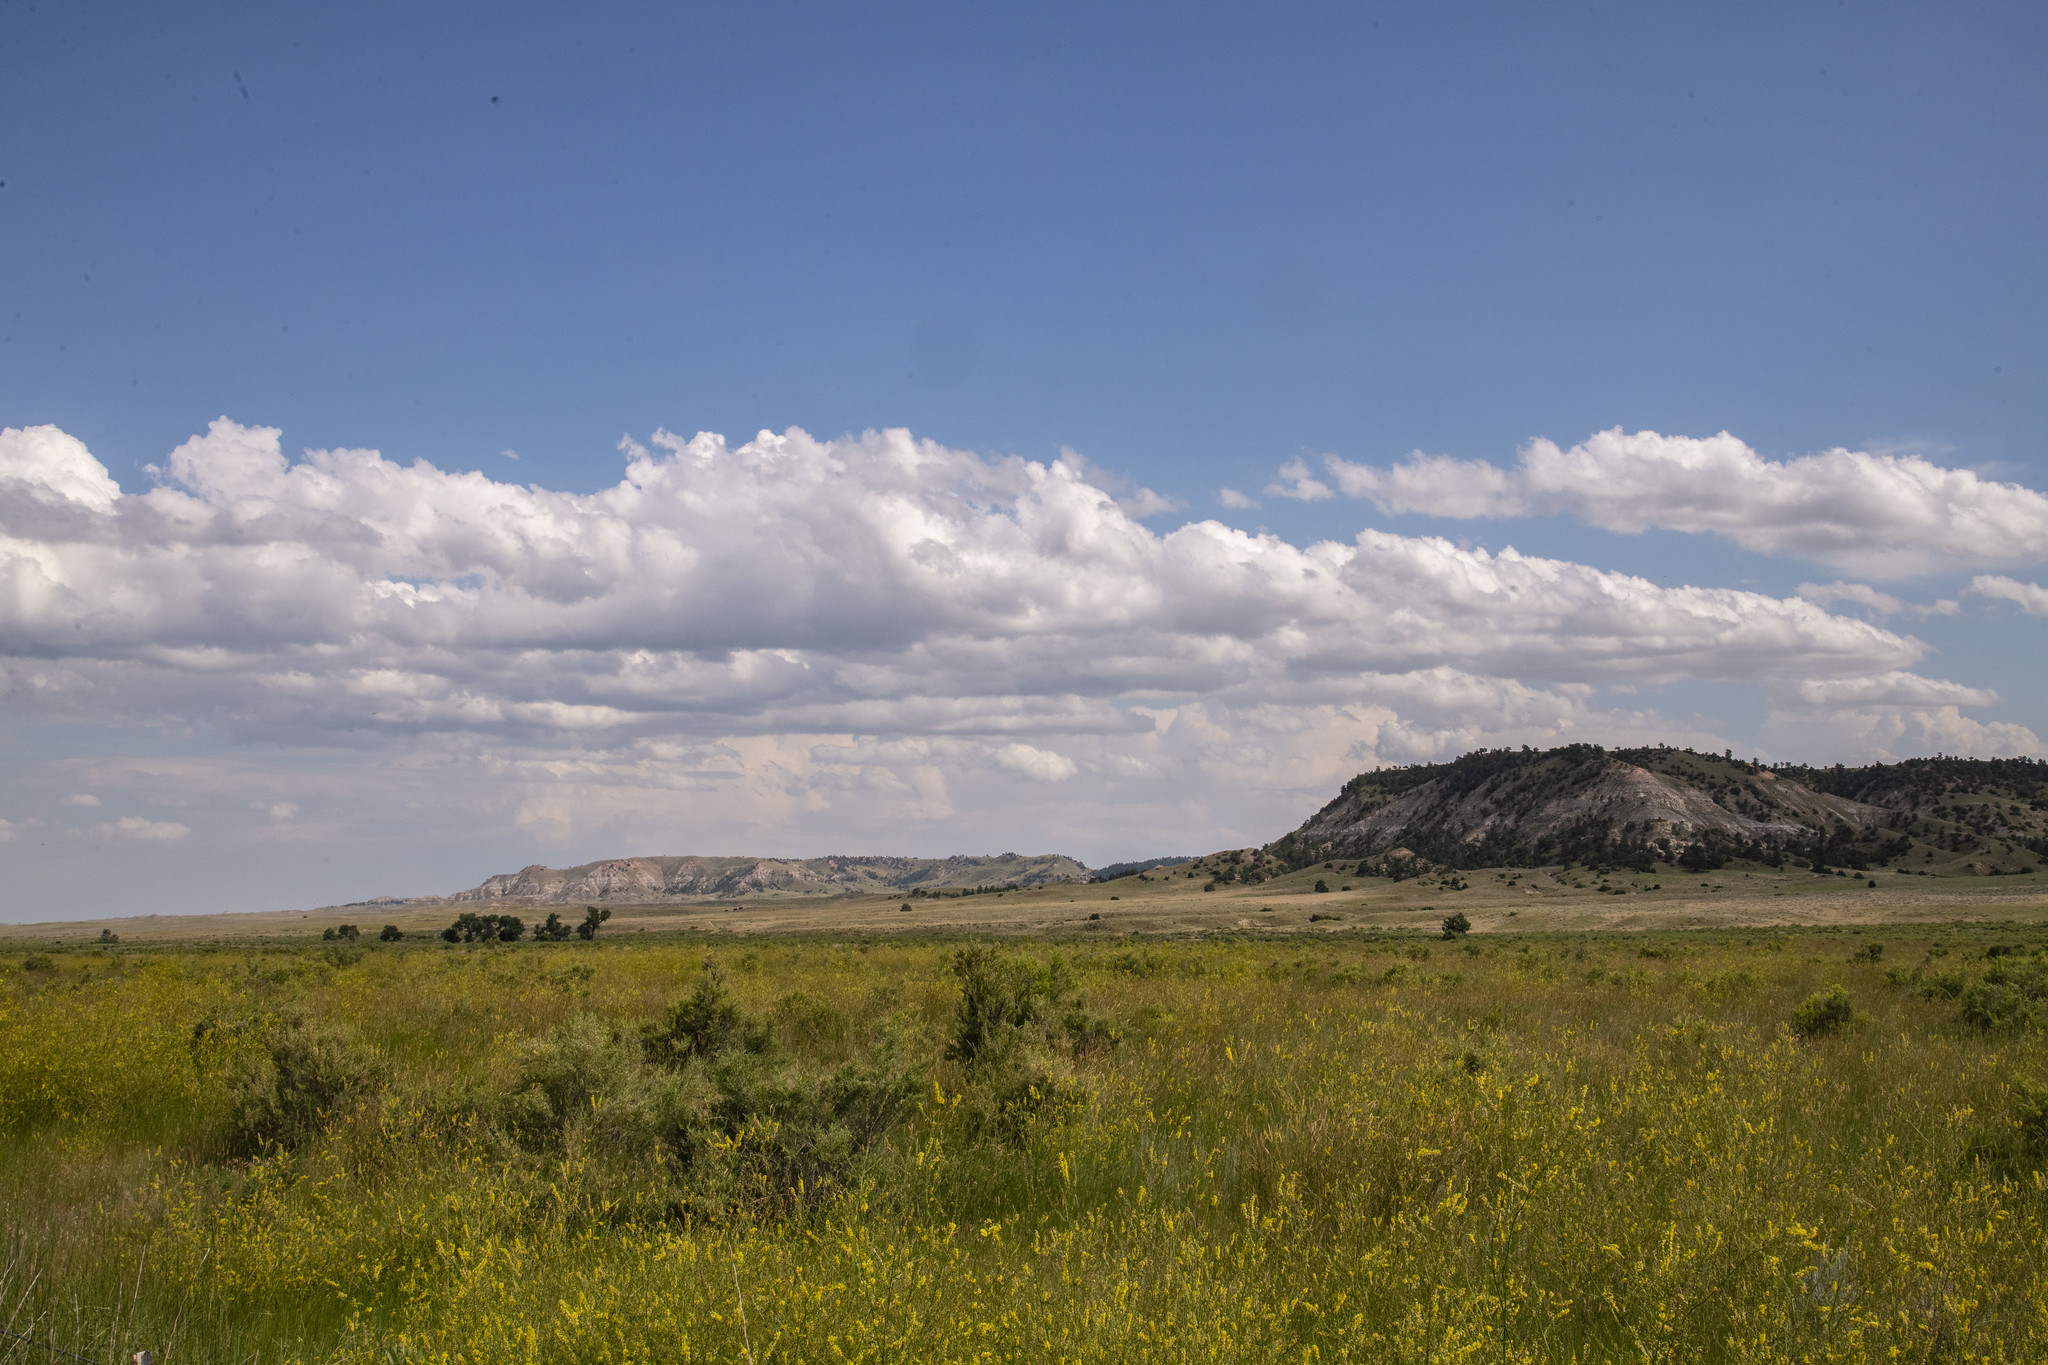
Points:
1943	986
1456	925
580	1066
297	1074
1993	1005
2012	994
1016	1028
792	1133
1824	1011
808	1022
996	1000
704	1023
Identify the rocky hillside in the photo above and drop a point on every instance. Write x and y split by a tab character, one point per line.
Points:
644	880
1639	807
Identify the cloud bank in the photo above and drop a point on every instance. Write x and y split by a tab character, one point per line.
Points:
846	637
1885	516
878	584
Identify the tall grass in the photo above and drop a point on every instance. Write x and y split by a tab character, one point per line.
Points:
1520	1149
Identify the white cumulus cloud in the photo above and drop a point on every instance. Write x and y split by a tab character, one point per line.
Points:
1296	482
1886	516
877	584
837	642
1883	603
2031	598
1040	765
46	465
145	831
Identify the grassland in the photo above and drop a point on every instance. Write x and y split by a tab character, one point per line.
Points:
1172	903
1327	1139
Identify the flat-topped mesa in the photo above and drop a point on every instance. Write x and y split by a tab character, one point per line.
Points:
1584	804
652	880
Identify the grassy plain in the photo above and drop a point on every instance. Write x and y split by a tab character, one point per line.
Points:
1286	1139
1171	903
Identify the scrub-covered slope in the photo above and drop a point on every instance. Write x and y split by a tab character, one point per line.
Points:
1639	806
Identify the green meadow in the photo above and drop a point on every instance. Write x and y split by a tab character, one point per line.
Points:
1739	1145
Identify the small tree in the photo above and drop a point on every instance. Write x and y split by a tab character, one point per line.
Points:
555	930
1322	885
510	927
348	933
1456	925
992	998
592	918
702	1024
392	933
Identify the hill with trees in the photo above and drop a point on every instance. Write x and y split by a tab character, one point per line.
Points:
1640	807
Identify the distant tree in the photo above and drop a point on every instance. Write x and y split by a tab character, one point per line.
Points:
470	927
555	930
392	933
1456	925
348	933
109	936
592	917
1322	885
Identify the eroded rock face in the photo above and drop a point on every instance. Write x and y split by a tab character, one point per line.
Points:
526	882
644	880
1575	803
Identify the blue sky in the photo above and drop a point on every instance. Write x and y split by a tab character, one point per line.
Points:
1192	244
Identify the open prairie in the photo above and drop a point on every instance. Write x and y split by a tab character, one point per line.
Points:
1170	901
1244	1134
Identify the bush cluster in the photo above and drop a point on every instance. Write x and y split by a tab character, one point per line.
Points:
470	927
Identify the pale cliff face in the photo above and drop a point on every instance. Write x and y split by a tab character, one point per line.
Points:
1617	796
643	880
